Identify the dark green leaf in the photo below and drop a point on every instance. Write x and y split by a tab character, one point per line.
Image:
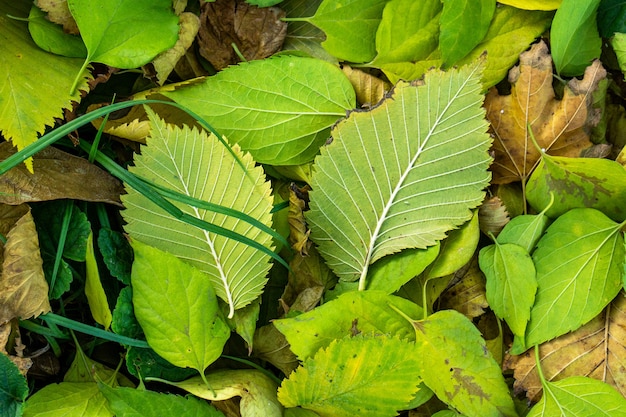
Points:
142	363
51	37
611	17
116	253
13	388
124	321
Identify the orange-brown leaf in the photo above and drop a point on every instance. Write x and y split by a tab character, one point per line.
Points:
561	127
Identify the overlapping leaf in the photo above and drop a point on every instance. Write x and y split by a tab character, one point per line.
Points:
402	175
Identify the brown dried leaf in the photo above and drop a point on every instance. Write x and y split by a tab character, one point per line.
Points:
59	13
272	346
256	32
492	216
561	127
23	286
467	294
57	175
23	364
596	350
369	89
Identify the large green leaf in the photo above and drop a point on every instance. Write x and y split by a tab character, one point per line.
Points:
402	175
279	109
195	164
67	399
358	376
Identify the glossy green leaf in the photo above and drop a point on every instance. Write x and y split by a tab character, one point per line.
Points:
619	46
577	183
533	4
511	283
463	25
579	263
524	230
279	109
67	399
51	37
574	37
365	311
130	402
177	309
579	397
125	33
116	254
611	17
357	376
13	388
96	297
198	165
302	35
123	320
402	175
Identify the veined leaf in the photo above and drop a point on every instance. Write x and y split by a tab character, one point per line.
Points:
13	388
402	175
302	35
611	17
524	230
195	164
618	42
68	399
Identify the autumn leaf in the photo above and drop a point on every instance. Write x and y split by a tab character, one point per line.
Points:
561	127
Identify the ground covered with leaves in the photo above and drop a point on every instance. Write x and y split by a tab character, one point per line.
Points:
313	208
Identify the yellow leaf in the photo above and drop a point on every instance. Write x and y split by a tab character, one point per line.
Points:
96	297
533	4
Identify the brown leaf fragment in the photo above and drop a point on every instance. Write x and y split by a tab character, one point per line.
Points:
492	216
369	89
467	294
57	175
59	13
23	286
272	346
596	350
256	32
6	330
561	127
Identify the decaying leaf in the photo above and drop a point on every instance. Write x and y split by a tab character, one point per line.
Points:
22	363
466	295
369	89
272	346
561	127
59	12
225	24
493	216
596	350
57	175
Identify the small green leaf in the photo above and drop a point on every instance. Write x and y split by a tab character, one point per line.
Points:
352	312
278	109
116	253
574	37
511	283
611	17
67	399
357	376
524	230
96	297
618	42
124	321
13	388
457	366
579	264
177	309
51	37
577	183
464	24
579	397
130	402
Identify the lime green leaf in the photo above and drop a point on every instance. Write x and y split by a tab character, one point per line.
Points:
457	366
402	175
13	388
533	4
511	283
195	164
611	17
96	298
279	109
300	412
358	376
51	37
177	309
463	24
362	311
302	35
574	38
34	86
578	182
393	271
130	402
579	264
579	397
67	399
257	390
125	33
123	320
618	42
524	230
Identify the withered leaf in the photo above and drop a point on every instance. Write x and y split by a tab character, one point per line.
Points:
561	127
369	89
272	346
467	294
59	13
22	363
57	175
492	216
23	286
596	350
256	32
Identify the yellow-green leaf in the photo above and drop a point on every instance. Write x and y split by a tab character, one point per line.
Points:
94	291
533	4
67	399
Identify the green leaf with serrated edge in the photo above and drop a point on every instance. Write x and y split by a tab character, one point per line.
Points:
116	254
198	165
574	38
578	182
96	297
123	320
363	311
143	363
67	399
618	42
278	109
456	364
130	402
401	175
579	263
257	390
463	25
177	309
372	376
524	230
511	283
302	35
13	388
611	17
456	250
51	37
35	85
393	271
579	397
125	33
